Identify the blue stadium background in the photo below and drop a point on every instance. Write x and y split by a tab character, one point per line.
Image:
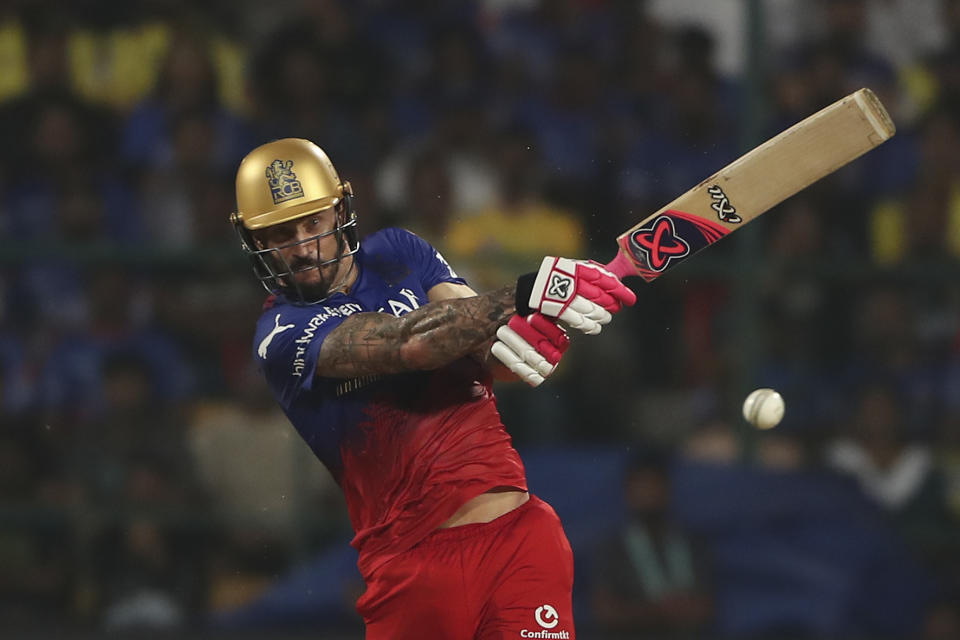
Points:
148	483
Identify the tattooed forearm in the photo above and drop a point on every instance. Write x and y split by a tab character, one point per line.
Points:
427	338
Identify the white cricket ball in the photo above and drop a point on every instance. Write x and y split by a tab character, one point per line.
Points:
764	408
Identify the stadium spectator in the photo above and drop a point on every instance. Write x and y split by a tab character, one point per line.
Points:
72	375
150	574
187	84
520	225
923	224
39	575
651	577
259	475
899	473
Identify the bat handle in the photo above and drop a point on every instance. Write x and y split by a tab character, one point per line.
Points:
621	266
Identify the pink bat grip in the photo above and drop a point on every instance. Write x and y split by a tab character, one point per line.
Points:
621	266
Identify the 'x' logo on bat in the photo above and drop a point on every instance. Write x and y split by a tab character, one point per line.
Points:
660	243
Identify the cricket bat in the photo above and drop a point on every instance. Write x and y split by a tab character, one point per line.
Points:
753	184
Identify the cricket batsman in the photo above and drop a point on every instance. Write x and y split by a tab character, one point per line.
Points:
383	359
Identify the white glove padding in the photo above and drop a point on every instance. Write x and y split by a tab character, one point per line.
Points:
530	346
582	294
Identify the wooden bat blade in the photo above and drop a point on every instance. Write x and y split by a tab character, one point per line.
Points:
753	184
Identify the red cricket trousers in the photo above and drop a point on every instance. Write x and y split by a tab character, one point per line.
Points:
510	578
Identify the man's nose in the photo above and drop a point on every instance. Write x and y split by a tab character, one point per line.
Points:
306	244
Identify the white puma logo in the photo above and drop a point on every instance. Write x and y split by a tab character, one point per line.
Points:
277	328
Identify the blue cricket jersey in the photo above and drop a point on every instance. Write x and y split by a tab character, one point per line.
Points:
407	449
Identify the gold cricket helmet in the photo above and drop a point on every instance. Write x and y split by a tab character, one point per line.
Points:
284	180
281	181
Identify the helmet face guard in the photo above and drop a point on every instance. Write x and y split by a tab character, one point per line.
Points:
277	275
286	180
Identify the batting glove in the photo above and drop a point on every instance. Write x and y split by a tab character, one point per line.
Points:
581	293
530	346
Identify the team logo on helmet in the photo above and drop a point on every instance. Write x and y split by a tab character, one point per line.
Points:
283	182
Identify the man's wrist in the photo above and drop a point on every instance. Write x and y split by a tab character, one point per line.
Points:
524	289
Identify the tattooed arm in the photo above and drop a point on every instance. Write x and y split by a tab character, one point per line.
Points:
499	371
427	338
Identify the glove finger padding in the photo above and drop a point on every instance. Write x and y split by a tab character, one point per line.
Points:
581	294
585	316
609	283
545	335
530	347
600	297
515	363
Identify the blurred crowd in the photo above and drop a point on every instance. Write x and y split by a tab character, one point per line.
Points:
146	477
